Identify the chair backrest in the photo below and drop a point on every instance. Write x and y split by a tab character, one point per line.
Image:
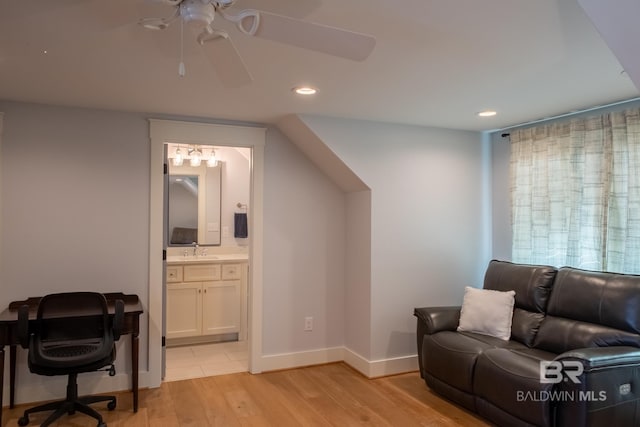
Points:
72	333
72	315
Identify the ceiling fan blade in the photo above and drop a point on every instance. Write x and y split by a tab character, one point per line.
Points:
318	37
227	62
293	8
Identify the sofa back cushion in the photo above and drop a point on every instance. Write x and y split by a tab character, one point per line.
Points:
532	284
591	309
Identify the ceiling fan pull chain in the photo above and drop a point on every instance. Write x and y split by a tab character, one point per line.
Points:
181	68
240	19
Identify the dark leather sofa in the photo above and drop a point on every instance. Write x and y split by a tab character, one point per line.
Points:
586	323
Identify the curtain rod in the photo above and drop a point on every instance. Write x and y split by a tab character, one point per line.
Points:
560	116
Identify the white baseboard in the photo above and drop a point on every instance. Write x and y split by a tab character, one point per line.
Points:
381	367
370	369
277	362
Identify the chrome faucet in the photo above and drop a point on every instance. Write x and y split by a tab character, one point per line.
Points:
195	249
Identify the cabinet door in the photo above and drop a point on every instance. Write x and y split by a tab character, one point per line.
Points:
221	307
184	310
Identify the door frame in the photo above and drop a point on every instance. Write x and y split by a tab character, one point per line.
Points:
170	131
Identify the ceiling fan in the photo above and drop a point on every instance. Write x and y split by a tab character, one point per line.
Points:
201	15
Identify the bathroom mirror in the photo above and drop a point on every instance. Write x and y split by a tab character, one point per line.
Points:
194	204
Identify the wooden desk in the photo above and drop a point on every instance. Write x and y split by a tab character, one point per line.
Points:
9	328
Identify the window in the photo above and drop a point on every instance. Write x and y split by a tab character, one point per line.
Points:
575	193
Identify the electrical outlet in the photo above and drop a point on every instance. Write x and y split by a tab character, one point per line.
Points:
308	323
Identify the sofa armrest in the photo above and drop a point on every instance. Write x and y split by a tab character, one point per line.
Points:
432	320
436	319
605	392
603	357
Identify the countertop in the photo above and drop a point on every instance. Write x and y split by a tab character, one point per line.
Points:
190	259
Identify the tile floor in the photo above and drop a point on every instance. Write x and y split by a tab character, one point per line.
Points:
205	360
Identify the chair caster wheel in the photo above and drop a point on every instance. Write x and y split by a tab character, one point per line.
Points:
111	405
23	421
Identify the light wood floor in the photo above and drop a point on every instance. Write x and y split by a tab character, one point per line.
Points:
326	395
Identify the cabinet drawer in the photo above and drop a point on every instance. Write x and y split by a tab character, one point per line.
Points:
174	273
195	273
230	271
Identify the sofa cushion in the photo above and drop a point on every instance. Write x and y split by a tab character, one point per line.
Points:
607	299
591	309
558	334
509	379
525	326
451	356
487	312
532	284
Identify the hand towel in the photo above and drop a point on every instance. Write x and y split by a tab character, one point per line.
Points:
241	229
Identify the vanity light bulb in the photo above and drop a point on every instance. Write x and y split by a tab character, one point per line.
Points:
178	159
212	161
196	158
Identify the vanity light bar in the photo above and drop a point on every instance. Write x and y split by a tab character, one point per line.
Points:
195	157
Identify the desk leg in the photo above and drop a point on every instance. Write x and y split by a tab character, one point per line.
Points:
1	380
134	368
12	376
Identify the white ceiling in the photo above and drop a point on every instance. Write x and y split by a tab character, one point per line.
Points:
436	62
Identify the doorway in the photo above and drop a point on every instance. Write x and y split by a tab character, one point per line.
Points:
206	285
166	131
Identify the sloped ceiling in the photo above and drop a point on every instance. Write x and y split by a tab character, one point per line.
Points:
618	24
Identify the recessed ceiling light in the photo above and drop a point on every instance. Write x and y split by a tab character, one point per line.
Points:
487	113
305	90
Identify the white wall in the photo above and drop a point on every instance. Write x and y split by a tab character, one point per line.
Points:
75	200
236	188
75	197
426	218
501	200
304	252
358	274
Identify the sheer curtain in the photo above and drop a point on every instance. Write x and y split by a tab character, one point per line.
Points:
575	193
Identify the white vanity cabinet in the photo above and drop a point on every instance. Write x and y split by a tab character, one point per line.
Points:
205	299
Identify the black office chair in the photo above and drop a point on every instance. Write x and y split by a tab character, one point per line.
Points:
73	333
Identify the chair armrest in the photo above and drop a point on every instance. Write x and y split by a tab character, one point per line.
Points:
118	319
436	319
23	326
432	320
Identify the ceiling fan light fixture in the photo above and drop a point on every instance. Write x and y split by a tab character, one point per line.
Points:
487	113
305	90
196	10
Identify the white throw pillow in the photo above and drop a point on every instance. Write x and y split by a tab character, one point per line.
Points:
487	312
